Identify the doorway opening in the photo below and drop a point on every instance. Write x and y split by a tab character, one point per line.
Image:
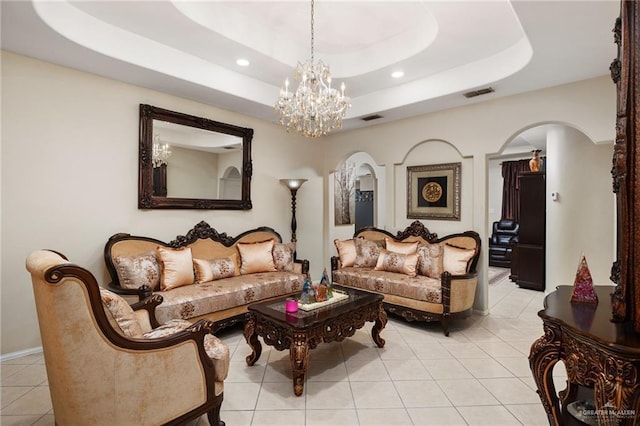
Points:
365	197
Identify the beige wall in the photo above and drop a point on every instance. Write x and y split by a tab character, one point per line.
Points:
581	219
472	134
69	178
69	169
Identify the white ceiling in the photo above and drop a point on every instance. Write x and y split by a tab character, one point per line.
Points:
445	48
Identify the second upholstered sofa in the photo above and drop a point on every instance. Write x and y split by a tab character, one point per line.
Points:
421	276
205	274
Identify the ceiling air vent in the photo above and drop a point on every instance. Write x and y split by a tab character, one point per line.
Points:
479	92
371	117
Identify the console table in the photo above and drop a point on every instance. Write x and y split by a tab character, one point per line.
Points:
597	353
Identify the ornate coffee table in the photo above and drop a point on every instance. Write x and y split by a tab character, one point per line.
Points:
304	330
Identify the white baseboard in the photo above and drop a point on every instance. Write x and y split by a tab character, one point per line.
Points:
20	354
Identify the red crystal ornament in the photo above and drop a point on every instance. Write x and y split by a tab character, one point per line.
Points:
583	291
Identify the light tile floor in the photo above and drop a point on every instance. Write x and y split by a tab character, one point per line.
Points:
479	375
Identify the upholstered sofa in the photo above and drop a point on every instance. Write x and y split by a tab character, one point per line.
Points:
503	236
205	274
421	276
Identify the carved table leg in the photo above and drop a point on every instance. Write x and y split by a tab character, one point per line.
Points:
251	337
545	353
381	322
299	358
616	394
569	394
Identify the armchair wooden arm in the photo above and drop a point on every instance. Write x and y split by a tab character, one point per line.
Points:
149	304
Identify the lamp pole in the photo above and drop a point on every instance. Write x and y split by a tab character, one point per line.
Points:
294	224
293	185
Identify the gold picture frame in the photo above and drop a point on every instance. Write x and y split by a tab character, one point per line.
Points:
433	191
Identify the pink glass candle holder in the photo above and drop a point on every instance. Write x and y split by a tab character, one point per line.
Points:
291	305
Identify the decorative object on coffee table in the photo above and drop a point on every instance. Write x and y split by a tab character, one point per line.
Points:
321	292
291	305
325	279
583	285
338	296
308	295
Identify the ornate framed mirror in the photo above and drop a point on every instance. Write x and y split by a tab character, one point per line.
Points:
188	162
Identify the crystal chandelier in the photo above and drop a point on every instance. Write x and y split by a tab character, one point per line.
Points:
315	108
161	152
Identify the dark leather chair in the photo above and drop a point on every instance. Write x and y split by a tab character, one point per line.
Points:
505	232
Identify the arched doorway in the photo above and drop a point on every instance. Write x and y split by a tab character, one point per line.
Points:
365	197
577	196
369	175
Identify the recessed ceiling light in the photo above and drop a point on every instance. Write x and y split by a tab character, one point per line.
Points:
243	62
397	74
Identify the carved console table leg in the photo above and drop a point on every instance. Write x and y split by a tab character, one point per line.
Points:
569	394
616	394
299	358
251	337
381	322
545	353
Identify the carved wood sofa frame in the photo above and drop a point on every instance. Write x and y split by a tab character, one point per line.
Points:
201	236
418	232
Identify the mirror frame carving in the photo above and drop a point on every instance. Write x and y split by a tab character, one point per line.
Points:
146	199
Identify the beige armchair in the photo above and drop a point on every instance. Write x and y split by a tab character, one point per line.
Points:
106	362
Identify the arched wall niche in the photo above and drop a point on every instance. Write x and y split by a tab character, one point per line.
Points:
581	218
430	152
231	173
361	162
417	146
230	183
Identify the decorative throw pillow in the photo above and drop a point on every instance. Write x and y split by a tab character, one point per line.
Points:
256	257
177	267
397	262
215	269
134	271
346	251
430	260
118	310
400	247
283	256
455	259
367	252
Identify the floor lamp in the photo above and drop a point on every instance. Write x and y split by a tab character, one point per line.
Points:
293	185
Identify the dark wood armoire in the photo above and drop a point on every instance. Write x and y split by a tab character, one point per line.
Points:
528	261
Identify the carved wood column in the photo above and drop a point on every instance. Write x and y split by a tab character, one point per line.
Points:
626	166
